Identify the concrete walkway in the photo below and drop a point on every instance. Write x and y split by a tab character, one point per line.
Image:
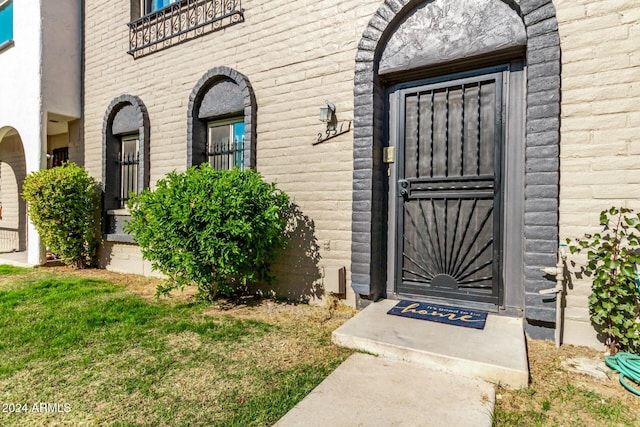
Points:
374	391
17	259
417	373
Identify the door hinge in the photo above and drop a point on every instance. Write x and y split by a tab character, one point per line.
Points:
389	154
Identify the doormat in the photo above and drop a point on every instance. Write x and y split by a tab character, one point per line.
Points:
440	313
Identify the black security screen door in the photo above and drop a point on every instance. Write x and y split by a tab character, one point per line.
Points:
448	188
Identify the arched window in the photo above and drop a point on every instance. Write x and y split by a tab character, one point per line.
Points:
221	121
125	154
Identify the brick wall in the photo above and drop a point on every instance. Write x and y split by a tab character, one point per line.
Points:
600	128
309	67
316	45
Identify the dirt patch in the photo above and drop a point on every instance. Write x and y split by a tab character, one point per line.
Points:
547	372
558	395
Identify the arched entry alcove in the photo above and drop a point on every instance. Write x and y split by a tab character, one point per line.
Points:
13	221
447	85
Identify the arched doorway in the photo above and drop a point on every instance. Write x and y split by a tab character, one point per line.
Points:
13	221
434	78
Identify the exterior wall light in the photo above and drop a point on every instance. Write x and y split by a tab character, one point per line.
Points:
328	116
328	113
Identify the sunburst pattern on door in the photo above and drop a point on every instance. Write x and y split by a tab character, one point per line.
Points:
449	244
448	188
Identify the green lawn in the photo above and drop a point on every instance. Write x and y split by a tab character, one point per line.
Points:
106	356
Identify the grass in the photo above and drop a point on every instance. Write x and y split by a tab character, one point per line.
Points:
557	396
101	344
118	358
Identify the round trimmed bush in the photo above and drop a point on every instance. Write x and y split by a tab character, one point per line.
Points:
219	230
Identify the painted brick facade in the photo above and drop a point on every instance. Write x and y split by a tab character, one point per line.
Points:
600	127
297	55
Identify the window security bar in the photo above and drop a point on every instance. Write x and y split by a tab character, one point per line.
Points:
225	154
179	22
129	176
60	156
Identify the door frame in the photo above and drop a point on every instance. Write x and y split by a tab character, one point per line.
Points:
510	191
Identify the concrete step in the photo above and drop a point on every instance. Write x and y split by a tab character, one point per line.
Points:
374	391
497	354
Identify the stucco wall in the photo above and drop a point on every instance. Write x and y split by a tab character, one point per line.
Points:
20	81
20	86
40	73
296	55
600	127
61	35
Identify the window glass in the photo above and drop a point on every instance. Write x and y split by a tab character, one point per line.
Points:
129	160
225	143
238	139
159	4
6	22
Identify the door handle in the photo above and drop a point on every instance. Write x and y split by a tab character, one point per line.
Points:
403	188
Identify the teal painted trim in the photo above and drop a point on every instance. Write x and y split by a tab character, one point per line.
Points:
161	4
238	138
6	22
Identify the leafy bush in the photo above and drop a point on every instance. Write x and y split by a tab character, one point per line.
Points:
64	204
219	230
614	303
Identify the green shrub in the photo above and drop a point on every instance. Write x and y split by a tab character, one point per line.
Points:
64	205
219	230
614	303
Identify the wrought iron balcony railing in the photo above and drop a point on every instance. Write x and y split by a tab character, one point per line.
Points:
179	22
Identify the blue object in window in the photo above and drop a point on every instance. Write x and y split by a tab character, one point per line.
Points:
6	22
238	138
159	4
